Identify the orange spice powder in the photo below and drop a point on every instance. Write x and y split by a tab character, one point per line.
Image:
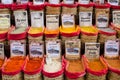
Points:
1	62
75	66
96	65
33	64
14	64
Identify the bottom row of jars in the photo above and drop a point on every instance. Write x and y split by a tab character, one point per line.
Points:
55	69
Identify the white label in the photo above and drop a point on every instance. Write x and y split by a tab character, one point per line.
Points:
99	1
22	1
102	21
69	1
85	18
37	2
113	2
36	49
52	22
92	50
72	48
112	48
21	18
54	1
53	49
4	20
84	1
6	1
37	19
68	20
17	48
116	17
2	51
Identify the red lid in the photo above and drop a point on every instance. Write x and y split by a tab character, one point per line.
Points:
36	7
102	6
91	4
20	6
69	5
3	35
115	7
53	5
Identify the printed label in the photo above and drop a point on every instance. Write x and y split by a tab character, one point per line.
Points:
69	1
113	2
6	1
72	48
84	1
36	48
111	48
37	19
22	1
4	20
116	17
53	48
68	20
85	18
92	50
99	1
21	18
17	48
37	2
54	1
2	51
52	22
102	20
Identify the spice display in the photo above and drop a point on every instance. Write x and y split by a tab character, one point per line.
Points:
85	14
33	68
89	34
102	15
106	34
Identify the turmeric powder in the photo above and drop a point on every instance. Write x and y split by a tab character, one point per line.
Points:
51	31
14	64
96	65
75	66
89	29
33	64
115	63
35	30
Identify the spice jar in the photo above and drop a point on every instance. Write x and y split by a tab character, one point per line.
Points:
32	69
51	34
53	69
53	9
20	15
85	14
96	69
13	67
75	69
37	15
69	8
102	15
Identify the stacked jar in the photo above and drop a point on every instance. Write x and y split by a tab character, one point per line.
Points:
52	20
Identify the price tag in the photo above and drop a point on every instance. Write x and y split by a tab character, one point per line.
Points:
72	49
85	18
6	1
4	20
37	2
36	48
22	1
116	17
17	48
111	49
53	49
37	19
52	22
84	1
69	1
21	18
2	52
92	50
99	1
113	2
54	1
68	20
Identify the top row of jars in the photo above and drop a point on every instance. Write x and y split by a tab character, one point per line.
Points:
37	2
